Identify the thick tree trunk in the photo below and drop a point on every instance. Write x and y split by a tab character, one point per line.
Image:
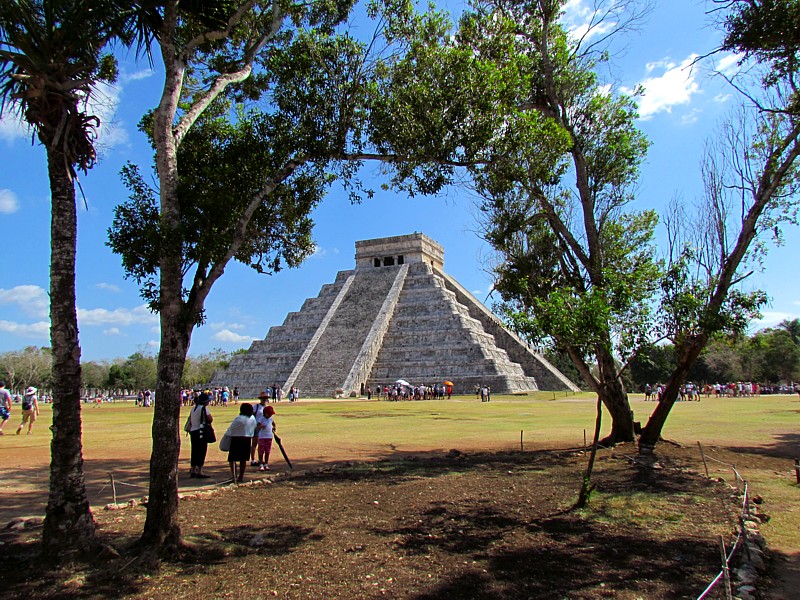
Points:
162	533
69	525
615	398
651	432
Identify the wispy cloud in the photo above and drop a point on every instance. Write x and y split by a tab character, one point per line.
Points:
583	20
32	300
772	318
38	330
8	202
139	315
320	252
137	75
729	64
669	84
229	337
691	117
12	127
103	104
112	331
108	287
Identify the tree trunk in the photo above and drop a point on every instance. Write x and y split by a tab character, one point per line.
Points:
651	432
162	533
615	399
69	525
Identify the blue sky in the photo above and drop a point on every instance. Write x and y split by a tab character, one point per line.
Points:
679	111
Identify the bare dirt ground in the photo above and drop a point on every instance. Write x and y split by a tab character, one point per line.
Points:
459	525
479	523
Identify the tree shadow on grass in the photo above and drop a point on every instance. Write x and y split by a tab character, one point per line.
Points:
785	445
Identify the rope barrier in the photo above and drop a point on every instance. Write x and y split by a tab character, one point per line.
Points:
741	533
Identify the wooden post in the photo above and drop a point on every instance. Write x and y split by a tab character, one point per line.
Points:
584	440
521	445
113	487
705	464
725	572
797	470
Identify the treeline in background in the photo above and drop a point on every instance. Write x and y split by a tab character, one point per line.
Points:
33	366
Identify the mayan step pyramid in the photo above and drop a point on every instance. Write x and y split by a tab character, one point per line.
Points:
396	316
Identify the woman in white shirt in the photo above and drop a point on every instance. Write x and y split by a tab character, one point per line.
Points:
265	424
241	433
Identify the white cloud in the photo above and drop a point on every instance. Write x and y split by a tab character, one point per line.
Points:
722	98
12	127
691	117
119	316
319	252
112	331
223	325
137	75
31	299
729	64
103	103
40	329
673	84
580	19
228	336
771	319
109	287
8	202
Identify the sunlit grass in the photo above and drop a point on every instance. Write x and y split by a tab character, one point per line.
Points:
380	429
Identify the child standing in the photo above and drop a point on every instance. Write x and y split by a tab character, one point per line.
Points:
266	433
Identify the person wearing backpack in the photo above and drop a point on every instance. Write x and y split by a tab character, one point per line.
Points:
5	405
30	410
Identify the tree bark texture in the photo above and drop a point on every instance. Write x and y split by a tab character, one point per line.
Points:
69	525
161	530
615	399
687	355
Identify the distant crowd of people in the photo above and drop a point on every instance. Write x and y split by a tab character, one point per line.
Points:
734	389
398	391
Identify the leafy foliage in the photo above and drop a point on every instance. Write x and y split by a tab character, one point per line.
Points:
767	30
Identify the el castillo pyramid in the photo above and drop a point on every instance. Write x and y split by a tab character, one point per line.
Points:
397	315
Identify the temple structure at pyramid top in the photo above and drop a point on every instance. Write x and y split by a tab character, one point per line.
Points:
396	316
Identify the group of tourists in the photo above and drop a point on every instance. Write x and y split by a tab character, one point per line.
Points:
275	393
734	389
219	396
29	404
249	436
398	391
